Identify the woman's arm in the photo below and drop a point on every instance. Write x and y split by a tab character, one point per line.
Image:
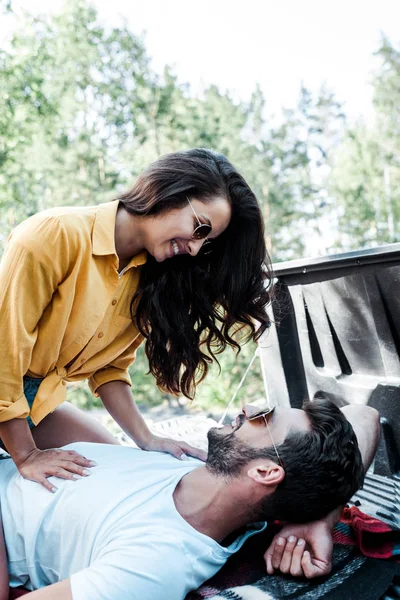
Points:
118	400
287	551
31	269
37	465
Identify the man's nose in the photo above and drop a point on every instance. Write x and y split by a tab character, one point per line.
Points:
194	246
248	410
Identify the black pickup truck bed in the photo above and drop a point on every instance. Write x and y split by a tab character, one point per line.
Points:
336	334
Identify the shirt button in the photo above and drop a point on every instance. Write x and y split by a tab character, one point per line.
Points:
114	302
100	334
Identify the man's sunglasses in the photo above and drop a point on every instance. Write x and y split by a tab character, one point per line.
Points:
264	414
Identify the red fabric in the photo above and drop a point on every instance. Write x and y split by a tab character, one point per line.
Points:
374	538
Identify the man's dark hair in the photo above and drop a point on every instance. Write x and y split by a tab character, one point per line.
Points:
323	467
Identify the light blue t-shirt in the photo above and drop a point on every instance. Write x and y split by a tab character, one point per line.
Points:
116	533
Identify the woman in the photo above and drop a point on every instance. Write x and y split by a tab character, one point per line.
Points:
179	261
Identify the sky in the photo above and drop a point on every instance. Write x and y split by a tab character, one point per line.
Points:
278	45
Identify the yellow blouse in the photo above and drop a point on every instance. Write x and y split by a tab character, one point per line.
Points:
65	310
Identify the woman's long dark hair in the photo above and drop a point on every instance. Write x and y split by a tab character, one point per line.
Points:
189	308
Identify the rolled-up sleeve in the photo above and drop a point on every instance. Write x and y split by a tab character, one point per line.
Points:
27	283
117	370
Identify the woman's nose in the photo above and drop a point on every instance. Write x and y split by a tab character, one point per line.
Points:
194	246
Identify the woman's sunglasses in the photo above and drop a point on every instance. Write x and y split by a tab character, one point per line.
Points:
201	230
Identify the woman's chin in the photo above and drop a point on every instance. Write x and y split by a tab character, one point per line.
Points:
162	254
160	257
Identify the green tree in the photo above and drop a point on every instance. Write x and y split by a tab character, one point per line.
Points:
366	176
293	164
71	92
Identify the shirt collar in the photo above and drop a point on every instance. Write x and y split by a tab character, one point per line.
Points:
138	260
103	236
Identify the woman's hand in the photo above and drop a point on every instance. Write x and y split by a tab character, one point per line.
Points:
301	550
38	465
177	448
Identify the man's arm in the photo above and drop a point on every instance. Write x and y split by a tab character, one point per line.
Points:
287	552
365	423
57	591
3	566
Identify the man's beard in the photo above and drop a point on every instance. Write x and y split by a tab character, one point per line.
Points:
227	455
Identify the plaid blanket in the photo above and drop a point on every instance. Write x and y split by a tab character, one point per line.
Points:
358	572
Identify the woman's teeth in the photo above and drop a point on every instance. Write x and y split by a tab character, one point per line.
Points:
175	247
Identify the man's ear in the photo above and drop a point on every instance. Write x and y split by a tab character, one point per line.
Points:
266	473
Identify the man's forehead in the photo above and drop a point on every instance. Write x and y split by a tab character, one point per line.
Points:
285	420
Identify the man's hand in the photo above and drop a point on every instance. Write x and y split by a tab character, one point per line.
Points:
301	550
66	464
177	448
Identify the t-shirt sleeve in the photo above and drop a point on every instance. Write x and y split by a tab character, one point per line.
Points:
147	571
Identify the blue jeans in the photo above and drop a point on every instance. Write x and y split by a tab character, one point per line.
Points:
31	385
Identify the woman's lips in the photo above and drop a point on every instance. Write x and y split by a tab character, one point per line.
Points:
179	245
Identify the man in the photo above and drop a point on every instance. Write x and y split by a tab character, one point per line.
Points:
146	525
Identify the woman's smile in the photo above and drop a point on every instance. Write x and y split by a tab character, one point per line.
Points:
178	247
175	247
